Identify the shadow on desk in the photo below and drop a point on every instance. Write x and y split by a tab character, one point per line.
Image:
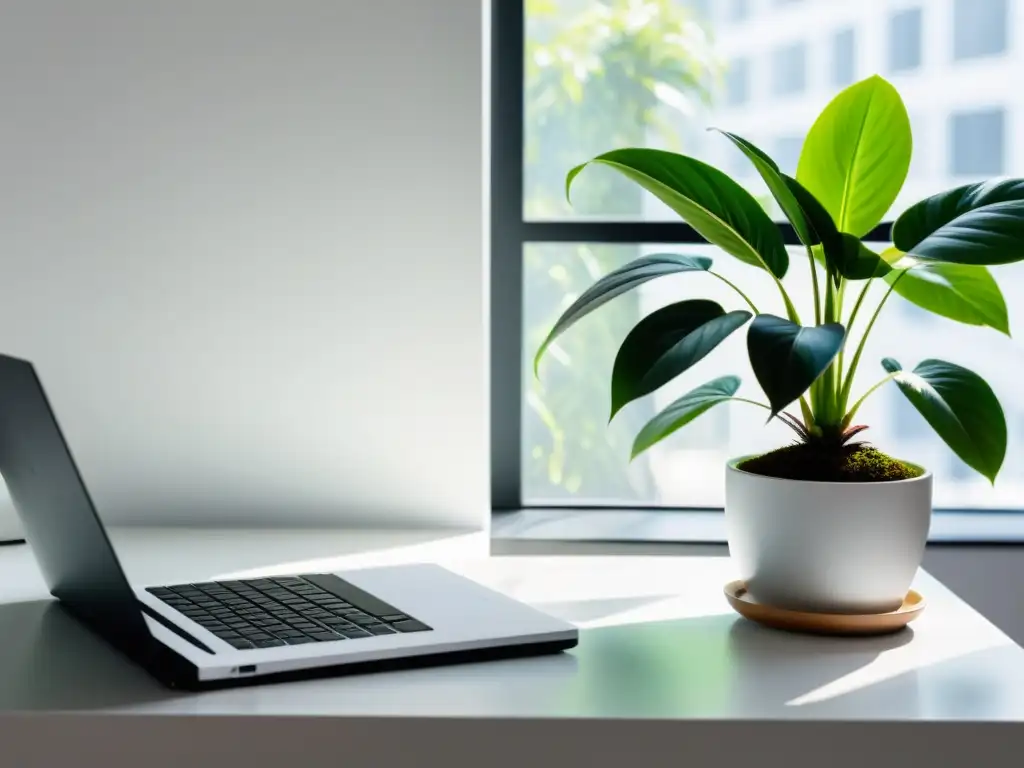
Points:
51	661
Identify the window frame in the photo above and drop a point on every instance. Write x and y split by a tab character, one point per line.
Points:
510	232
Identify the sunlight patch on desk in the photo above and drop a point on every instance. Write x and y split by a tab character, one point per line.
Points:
904	660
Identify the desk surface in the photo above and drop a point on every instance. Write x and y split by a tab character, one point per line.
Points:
658	641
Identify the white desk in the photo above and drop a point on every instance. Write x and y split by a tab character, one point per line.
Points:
662	666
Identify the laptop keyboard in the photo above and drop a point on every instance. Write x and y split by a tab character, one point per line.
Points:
293	610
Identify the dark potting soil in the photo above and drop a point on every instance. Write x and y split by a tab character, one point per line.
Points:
846	464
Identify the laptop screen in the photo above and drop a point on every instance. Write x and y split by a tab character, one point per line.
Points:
61	524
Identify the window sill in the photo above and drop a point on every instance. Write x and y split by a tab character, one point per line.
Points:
708	526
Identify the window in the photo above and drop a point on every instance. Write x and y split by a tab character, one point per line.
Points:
786	152
979	28
844	62
737	83
739	10
551	440
976	143
905	40
789	69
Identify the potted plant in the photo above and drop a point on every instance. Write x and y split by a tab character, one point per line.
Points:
829	523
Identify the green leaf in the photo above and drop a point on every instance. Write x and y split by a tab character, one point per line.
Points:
787	358
855	261
666	343
717	207
636	272
990	234
931	214
823	228
684	410
856	156
962	409
966	294
810	220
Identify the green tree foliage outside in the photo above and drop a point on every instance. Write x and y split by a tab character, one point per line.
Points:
598	76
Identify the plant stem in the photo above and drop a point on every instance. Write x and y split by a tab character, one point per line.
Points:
790	309
807	412
849	324
856	304
848	384
853	411
751	402
824	413
746	298
814	284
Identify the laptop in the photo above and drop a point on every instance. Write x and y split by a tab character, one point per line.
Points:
209	634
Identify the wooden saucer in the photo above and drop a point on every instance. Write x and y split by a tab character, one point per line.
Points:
824	623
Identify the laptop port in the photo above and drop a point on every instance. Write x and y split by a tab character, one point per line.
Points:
247	669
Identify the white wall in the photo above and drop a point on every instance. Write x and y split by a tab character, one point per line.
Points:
243	242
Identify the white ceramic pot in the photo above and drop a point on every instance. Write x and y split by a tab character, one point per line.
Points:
827	547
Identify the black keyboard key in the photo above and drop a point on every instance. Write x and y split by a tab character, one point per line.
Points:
324	637
410	625
160	591
350	593
362	618
300	640
239	643
271	643
257	635
336	621
354	632
394	617
379	629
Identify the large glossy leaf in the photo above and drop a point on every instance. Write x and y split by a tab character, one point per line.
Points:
962	409
855	261
990	234
717	207
823	228
684	410
636	272
810	220
931	214
787	357
666	343
856	156
966	294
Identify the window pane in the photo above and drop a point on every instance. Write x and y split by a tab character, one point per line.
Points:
844	58
603	74
905	40
977	143
979	28
572	456
737	83
789	69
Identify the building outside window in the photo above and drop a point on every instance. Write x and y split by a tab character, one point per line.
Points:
977	143
844	57
905	40
789	69
979	28
737	82
739	10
